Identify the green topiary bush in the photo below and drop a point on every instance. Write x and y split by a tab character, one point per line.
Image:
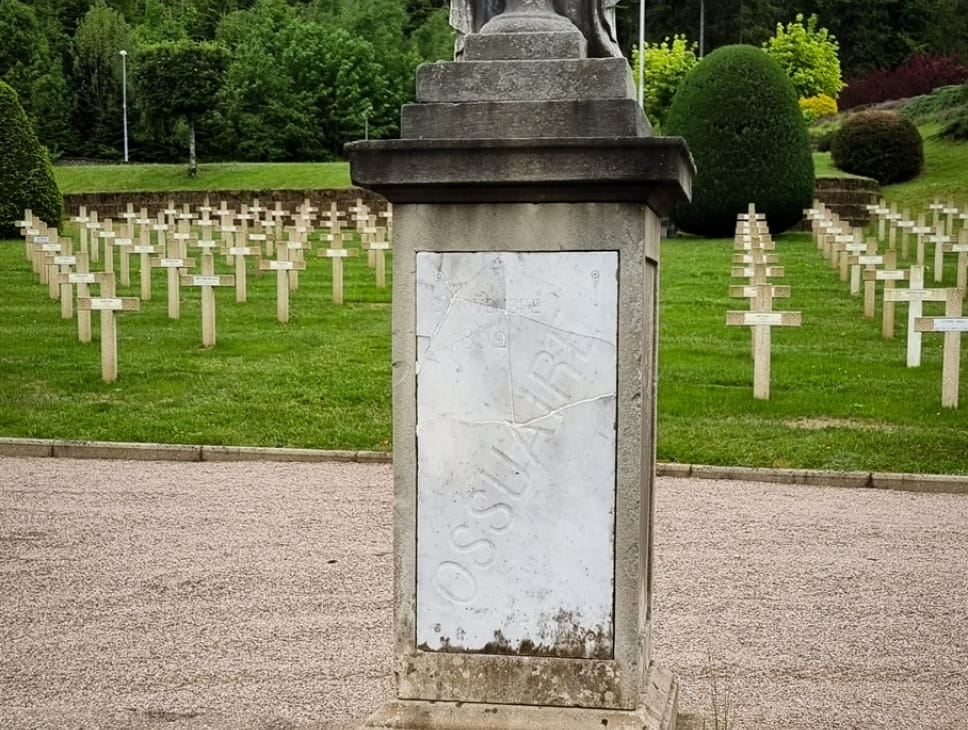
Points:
740	115
26	175
878	144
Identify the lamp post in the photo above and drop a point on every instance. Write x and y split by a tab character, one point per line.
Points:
124	99
702	26
641	52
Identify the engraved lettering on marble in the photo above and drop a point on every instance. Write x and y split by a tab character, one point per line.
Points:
516	417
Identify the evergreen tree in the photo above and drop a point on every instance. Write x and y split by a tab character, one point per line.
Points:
96	78
34	71
26	176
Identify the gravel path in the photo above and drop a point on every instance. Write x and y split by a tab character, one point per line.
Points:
257	595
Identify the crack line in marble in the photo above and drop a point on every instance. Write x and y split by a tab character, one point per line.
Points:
551	326
513	424
452	294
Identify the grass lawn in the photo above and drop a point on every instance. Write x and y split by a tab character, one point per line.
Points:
945	175
211	176
823	166
321	381
842	397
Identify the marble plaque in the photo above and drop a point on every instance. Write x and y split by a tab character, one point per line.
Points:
516	437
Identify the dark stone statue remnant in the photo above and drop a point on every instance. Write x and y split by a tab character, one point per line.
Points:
594	18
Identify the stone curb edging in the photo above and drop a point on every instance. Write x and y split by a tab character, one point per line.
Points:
177	452
925	483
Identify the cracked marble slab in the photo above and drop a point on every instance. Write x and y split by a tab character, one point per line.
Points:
516	413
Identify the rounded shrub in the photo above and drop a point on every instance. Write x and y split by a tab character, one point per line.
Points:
878	144
26	175
740	115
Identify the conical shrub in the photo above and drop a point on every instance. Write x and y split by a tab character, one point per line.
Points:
26	175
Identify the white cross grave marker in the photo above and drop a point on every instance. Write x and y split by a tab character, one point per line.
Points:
889	275
915	295
961	248
940	240
282	266
208	280
107	304
80	278
761	320
378	246
952	324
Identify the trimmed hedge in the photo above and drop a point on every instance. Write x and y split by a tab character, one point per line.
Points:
26	175
740	115
878	144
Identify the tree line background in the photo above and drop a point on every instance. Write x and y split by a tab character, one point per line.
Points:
295	79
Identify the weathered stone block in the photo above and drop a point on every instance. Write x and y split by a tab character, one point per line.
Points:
525	119
589	78
519	46
657	170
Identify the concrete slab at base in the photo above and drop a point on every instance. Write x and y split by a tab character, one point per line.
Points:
657	710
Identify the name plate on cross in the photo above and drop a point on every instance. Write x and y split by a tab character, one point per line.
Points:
112	304
207	280
941	324
81	278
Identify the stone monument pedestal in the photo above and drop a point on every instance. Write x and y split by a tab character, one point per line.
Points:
524	342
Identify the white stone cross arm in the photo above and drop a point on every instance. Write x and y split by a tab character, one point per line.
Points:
754	291
763	319
758	270
110	304
207	280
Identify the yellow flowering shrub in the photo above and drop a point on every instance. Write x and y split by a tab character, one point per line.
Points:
815	107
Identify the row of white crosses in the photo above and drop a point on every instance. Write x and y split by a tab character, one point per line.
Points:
52	258
755	262
947	232
847	248
374	238
163	241
856	258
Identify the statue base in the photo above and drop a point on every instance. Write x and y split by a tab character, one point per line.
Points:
657	710
527	20
569	43
537	163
